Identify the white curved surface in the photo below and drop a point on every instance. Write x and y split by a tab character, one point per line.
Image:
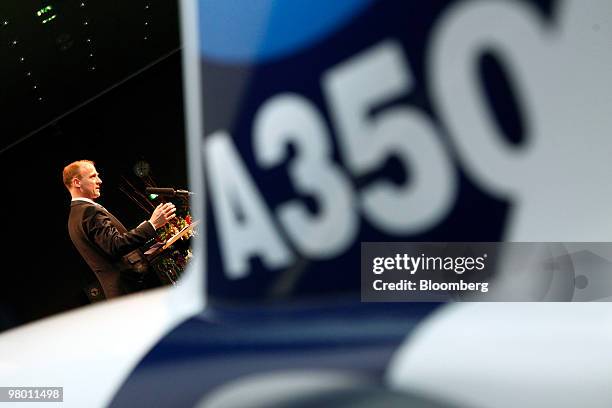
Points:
91	351
511	355
280	387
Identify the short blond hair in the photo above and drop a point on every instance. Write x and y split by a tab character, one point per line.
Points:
74	170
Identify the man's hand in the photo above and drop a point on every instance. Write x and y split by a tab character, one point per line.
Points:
162	214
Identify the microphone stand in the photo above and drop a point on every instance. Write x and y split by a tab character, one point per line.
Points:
136	196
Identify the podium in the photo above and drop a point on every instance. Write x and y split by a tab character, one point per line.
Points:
166	259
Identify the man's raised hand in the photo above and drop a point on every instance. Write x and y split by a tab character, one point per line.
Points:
162	214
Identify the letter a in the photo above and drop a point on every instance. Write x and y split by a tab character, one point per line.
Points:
244	224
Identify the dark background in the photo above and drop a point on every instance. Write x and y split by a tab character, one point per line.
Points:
128	108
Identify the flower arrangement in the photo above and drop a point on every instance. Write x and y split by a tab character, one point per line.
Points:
174	226
171	265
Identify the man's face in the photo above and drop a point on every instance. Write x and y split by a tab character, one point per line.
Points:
89	183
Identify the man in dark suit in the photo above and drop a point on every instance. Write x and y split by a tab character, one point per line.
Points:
110	250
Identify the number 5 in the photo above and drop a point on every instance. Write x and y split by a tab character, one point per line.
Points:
367	141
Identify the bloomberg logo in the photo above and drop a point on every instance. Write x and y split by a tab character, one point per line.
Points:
335	137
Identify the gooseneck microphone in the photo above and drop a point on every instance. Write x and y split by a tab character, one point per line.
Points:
168	192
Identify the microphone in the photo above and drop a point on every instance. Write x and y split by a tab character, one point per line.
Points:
169	192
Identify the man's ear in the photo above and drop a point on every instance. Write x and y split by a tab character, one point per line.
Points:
76	183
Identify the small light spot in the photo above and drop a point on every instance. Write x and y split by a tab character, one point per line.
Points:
22	59
85	23
35	87
28	73
82	4
88	40
5	22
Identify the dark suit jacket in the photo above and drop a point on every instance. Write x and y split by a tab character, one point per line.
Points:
102	241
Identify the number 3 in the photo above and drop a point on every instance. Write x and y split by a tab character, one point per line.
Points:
290	118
